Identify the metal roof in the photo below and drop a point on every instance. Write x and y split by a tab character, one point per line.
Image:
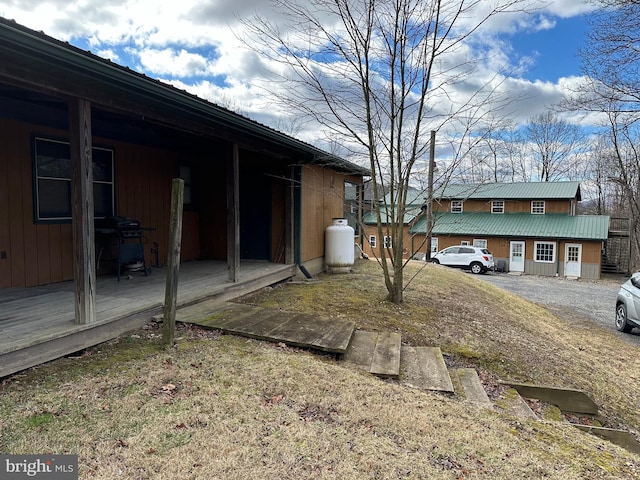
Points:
35	60
521	225
503	191
369	218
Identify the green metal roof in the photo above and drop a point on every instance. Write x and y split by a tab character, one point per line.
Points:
521	225
369	218
504	191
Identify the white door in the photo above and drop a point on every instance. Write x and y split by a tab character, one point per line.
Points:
516	257
572	260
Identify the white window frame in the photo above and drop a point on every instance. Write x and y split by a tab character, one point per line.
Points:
480	242
538	207
497	206
457	206
373	241
434	245
387	242
465	243
536	253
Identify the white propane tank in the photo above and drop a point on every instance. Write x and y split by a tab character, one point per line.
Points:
339	246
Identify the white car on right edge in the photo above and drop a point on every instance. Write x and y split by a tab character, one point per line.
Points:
476	259
628	304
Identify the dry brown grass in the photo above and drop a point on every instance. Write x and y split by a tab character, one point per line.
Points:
219	407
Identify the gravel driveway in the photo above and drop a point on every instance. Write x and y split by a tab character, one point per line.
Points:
593	300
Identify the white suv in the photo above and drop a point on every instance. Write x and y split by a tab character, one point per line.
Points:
476	259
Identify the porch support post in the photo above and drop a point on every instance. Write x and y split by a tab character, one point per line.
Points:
233	214
84	272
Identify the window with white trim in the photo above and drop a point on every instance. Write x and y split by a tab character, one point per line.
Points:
456	206
372	241
480	243
537	207
387	241
464	242
52	180
544	252
497	206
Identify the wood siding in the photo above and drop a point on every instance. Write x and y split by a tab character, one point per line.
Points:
39	254
412	244
510	206
322	201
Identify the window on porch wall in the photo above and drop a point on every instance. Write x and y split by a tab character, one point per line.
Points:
387	242
372	241
52	185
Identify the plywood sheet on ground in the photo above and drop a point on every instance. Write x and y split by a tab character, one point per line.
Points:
307	331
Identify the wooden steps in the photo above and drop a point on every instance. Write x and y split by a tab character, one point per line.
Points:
424	368
377	353
382	354
469	386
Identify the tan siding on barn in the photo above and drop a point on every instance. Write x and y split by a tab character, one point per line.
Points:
510	206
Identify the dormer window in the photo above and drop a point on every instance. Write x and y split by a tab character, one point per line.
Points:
456	206
497	206
537	207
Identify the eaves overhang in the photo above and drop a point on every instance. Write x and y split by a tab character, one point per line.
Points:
34	60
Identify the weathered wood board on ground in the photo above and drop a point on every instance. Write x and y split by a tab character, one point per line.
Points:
307	331
386	355
424	368
512	402
360	351
618	437
565	399
471	386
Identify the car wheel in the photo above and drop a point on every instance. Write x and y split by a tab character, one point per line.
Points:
434	260
476	267
621	318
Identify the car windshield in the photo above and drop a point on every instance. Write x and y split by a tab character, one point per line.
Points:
486	252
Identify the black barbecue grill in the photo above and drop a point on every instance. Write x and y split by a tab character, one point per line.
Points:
125	236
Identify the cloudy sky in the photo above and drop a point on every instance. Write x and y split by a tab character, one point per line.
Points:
193	45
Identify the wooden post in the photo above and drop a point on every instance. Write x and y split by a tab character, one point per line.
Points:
84	265
233	214
173	262
429	213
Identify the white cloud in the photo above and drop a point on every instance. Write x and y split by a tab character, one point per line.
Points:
177	63
192	44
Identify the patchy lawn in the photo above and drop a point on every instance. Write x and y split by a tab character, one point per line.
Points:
226	407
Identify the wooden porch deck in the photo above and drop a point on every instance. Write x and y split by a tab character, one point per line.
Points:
37	324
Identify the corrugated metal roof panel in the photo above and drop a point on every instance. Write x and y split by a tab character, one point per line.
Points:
522	190
583	227
369	218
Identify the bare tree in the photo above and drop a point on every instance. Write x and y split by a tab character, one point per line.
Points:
380	75
555	144
611	90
